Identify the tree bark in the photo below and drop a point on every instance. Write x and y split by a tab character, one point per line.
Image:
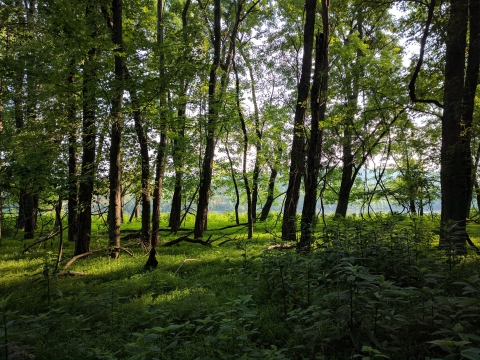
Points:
179	142
115	166
213	110
297	156
314	153
160	163
248	191
88	141
458	103
72	163
269	202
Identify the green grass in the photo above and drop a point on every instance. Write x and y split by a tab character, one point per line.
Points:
372	289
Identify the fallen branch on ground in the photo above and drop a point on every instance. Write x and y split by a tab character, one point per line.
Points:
183	262
39	241
75	258
187	239
281	247
71	273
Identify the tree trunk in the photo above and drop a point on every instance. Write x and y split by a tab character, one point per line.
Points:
297	156
213	110
314	153
178	160
72	164
157	191
459	95
248	190
214	101
160	164
145	163
88	142
269	202
179	142
258	140
115	167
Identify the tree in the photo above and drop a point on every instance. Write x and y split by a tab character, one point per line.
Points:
458	104
314	143
115	179
289	227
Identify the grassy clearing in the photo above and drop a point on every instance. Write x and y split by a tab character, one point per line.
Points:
371	289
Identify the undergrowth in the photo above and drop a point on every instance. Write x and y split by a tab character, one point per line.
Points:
370	289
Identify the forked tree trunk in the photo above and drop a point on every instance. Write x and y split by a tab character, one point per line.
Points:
297	156
314	146
458	99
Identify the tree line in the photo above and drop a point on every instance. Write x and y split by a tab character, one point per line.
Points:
178	99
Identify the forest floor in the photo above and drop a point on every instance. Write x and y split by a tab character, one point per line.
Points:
370	289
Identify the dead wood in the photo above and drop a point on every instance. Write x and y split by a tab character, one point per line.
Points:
39	241
75	258
71	273
281	247
187	239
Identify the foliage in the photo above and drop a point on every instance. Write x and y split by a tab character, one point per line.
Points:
371	289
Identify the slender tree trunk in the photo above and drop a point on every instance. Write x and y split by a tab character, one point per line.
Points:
178	160
459	96
115	168
88	141
160	164
145	163
297	156
179	142
213	110
314	153
250	215
258	140
1	157
214	101
269	202
349	172
72	163
234	181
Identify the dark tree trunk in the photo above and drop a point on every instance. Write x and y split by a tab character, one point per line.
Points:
136	207
115	166
178	159
258	140
314	150
213	105
269	202
347	180
72	165
214	101
88	142
459	95
234	181
297	156
349	172
248	190
1	157
179	142
157	191
160	164
145	163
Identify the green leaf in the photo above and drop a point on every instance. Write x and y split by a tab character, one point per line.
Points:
472	353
